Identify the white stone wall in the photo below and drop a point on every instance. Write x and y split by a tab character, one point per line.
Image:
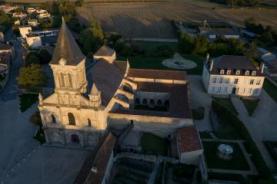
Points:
225	85
34	41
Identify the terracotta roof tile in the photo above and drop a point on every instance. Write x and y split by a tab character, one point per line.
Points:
188	139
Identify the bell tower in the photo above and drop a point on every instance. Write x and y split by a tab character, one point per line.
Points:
68	64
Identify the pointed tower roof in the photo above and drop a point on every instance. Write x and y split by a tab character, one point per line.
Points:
94	90
67	48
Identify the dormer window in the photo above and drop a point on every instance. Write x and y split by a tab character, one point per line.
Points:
229	72
238	72
247	72
221	72
254	73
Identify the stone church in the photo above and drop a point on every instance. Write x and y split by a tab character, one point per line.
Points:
89	97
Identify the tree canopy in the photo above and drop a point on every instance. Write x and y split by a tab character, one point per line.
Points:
31	77
92	37
5	21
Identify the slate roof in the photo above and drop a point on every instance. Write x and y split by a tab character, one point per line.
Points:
67	48
104	51
233	62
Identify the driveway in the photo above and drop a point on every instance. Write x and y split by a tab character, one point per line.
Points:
200	98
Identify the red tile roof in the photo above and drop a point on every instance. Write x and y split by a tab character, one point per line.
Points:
157	74
187	139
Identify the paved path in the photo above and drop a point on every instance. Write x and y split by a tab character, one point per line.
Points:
263	117
200	98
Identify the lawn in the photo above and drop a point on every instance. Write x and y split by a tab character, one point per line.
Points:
237	162
270	89
27	100
226	102
152	144
250	105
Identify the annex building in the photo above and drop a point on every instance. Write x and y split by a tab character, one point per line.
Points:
237	75
90	98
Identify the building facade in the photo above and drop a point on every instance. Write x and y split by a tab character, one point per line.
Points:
227	75
90	97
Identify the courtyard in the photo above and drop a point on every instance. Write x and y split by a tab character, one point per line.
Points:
22	158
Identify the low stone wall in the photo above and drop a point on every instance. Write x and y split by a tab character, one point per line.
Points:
161	126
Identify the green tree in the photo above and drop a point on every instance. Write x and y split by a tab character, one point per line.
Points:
32	58
5	21
92	37
186	43
44	56
31	77
200	45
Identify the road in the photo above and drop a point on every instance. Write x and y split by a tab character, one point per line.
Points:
9	91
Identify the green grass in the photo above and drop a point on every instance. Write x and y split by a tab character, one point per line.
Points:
272	148
226	102
270	89
250	105
27	100
237	162
152	144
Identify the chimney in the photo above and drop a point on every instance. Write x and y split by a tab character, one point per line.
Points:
211	65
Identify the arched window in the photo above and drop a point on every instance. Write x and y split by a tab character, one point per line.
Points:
152	102
137	101
71	119
166	103
75	139
53	119
89	122
144	101
159	102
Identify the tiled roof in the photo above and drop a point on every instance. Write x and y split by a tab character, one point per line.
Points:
67	48
157	74
101	160
188	139
178	101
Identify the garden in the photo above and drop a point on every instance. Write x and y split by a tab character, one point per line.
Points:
132	171
237	162
152	144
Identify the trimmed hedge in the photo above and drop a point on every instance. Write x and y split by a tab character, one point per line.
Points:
227	116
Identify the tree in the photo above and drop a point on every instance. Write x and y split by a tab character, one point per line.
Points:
5	21
32	58
44	56
92	37
185	43
200	45
31	77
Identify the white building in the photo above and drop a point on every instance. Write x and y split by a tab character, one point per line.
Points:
24	31
226	75
34	41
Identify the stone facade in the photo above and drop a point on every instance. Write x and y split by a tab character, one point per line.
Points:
224	81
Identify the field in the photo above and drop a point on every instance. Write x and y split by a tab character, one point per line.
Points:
152	19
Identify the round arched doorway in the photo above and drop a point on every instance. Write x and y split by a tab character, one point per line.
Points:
75	139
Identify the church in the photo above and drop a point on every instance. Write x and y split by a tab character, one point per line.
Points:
91	97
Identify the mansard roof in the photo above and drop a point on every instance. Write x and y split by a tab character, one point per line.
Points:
67	48
233	62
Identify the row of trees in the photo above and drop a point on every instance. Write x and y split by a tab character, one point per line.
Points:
266	35
5	21
232	3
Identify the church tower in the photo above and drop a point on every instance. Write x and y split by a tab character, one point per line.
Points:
68	64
